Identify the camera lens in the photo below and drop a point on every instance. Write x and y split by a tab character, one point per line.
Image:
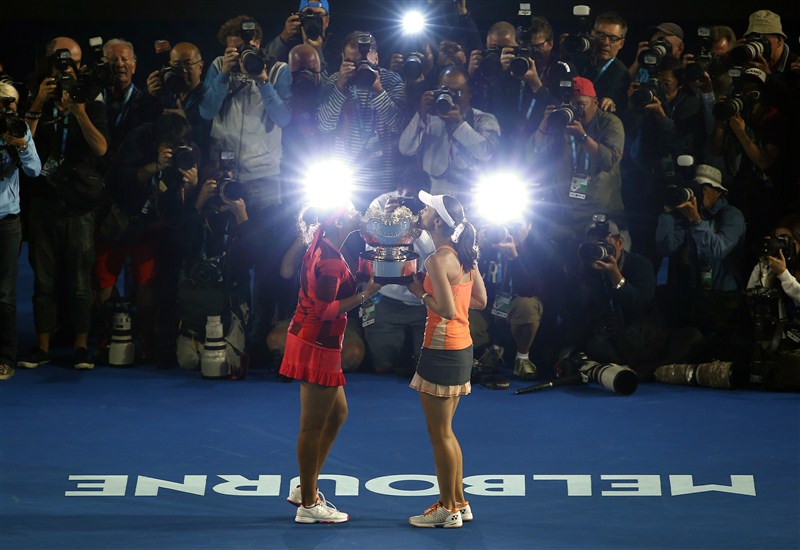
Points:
675	196
412	66
252	61
231	189
183	158
519	66
443	103
365	75
561	116
495	234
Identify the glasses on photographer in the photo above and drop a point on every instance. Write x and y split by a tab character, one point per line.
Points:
450	48
540	46
184	64
610	37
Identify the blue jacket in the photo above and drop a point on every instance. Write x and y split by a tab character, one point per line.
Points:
713	243
9	185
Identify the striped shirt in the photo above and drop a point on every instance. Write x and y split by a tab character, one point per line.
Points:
365	128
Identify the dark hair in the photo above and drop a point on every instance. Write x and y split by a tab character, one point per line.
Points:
454	69
233	27
542	25
719	32
612	18
352	41
670	63
173	129
792	223
467	246
313	216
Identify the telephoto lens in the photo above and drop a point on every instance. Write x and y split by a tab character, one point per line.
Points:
716	374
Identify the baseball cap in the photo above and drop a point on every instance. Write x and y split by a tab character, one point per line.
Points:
314	4
583	86
710	176
670	29
764	22
437	203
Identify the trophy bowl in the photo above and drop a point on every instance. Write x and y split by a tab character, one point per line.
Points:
389	234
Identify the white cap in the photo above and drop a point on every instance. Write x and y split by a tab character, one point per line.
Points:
709	175
437	203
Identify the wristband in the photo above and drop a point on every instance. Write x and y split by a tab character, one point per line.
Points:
422	298
584	138
31	115
620	284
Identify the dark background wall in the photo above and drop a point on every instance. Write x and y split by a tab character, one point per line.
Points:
25	25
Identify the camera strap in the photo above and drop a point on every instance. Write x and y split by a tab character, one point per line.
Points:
603	70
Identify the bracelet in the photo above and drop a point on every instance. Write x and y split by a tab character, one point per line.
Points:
22	147
422	298
32	115
363	298
620	284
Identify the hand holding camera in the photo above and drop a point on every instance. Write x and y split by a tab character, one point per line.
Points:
777	264
290	28
425	104
207	190
230	60
656	107
346	71
475	60
690	210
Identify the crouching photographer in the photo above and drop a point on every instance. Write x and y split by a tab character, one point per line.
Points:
214	288
611	315
773	296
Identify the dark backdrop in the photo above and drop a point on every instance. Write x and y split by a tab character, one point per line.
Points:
25	25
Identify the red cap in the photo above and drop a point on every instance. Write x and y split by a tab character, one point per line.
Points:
583	86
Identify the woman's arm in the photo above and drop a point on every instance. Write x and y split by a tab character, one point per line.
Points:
478	299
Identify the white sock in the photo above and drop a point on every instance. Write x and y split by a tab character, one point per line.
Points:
522	355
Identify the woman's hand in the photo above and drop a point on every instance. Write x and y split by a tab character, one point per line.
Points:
778	264
415	286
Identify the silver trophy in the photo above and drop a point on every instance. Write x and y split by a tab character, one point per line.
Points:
390	234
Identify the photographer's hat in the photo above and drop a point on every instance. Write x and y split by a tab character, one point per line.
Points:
709	175
764	22
583	86
315	4
670	29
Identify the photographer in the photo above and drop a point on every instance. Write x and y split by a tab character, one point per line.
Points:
186	66
579	151
516	271
363	112
669	32
704	240
247	96
611	310
780	271
451	138
71	134
662	122
608	74
17	151
765	26
153	174
309	25
126	105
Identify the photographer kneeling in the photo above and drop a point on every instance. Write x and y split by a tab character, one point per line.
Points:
612	315
774	284
218	240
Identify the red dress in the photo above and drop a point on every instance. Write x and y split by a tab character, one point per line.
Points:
314	339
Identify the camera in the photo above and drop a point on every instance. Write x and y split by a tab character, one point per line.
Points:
252	59
581	44
738	104
413	65
563	115
593	252
366	70
647	92
100	73
703	60
183	157
675	195
754	45
490	64
76	86
764	306
207	271
494	234
521	64
445	99
227	184
773	246
175	79
617	378
657	50
311	23
9	120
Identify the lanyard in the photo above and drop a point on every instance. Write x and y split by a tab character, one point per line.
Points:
61	122
603	69
124	107
575	157
532	104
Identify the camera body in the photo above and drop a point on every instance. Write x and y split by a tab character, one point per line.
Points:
252	59
675	195
75	85
647	92
754	45
657	50
183	157
775	245
563	115
228	186
412	203
207	271
704	60
366	70
311	23
490	64
495	234
9	120
444	99
100	73
521	63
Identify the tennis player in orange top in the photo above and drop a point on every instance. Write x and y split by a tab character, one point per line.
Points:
451	287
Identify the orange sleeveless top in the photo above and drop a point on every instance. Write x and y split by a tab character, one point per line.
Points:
450	334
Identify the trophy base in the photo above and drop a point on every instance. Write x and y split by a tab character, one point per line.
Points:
404	280
398	271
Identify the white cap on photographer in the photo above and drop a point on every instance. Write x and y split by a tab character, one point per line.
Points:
708	175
